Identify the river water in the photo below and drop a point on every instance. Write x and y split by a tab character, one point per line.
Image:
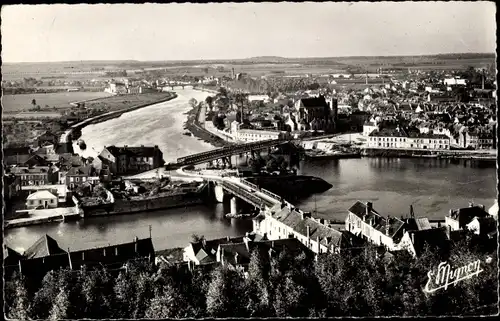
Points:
432	186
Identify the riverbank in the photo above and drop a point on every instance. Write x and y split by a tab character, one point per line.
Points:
422	153
111	115
194	127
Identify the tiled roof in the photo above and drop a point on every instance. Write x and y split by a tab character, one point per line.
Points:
292	245
40	195
389	132
466	215
87	170
113	254
435	238
294	220
13	151
32	170
378	222
45	246
209	247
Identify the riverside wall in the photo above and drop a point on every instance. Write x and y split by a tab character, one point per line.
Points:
442	154
142	205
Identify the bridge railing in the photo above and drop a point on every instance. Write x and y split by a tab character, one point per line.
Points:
245	194
230	150
252	185
271	194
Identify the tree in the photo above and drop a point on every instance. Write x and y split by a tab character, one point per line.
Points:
197	238
124	290
97	293
209	100
60	306
258	295
192	102
33	102
164	304
21	305
224	294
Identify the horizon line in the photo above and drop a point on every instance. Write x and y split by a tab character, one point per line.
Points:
255	57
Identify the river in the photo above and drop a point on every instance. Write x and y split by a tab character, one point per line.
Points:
432	186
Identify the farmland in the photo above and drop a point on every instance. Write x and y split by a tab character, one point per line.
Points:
17	103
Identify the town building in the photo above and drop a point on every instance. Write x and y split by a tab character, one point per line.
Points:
42	198
363	221
284	222
255	135
36	175
47	137
313	109
115	87
369	127
59	190
16	155
458	219
398	138
128	160
82	174
46	255
236	256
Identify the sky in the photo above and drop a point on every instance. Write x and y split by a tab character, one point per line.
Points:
147	32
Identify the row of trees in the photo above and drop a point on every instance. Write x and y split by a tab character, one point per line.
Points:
279	286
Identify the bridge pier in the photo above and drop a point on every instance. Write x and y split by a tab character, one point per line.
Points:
219	193
234	205
228	161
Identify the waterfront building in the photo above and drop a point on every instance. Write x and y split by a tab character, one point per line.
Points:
129	160
60	190
398	138
42	198
255	135
287	222
116	88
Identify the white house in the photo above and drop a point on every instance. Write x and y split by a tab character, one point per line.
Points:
41	198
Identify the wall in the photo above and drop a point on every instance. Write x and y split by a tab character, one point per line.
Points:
133	206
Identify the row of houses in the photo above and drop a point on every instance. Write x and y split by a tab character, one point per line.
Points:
46	255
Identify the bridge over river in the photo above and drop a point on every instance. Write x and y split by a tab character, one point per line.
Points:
227	152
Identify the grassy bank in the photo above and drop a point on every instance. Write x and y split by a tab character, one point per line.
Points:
192	124
19	132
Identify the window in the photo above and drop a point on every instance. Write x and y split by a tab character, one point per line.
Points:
51	201
30	202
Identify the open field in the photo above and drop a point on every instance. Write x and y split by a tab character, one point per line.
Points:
119	102
14	103
254	66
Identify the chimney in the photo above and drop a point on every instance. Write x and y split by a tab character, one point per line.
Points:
116	251
308	231
413	238
369	207
204	242
236	258
227	238
156	146
471	204
387	225
104	252
272	244
322	221
83	255
136	241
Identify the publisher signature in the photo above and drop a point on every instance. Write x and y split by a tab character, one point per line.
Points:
447	276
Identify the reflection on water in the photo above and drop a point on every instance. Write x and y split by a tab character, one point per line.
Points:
433	186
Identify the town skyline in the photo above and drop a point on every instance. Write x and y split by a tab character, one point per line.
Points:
230	32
